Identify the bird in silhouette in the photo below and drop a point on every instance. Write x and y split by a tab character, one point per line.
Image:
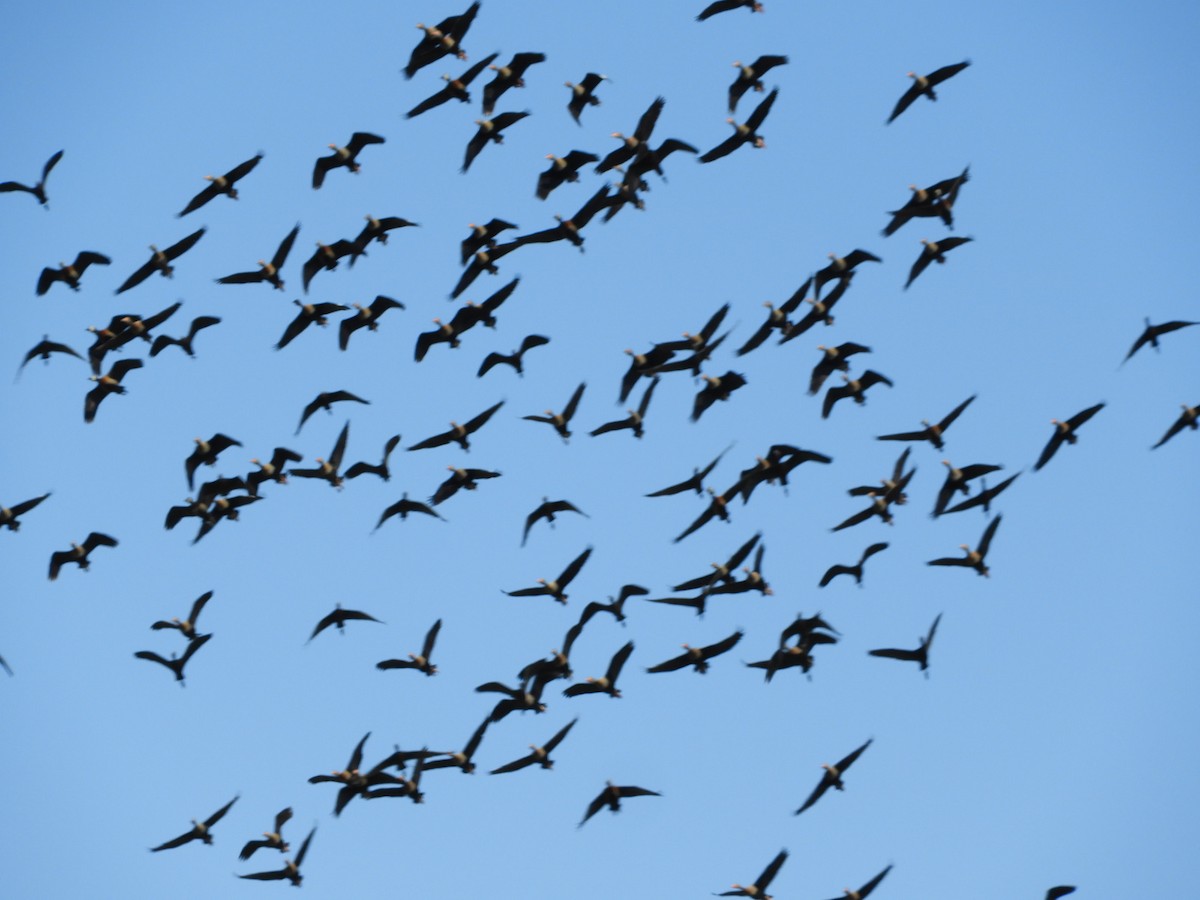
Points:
206	454
489	130
750	76
721	6
775	467
697	657
611	796
560	421
832	777
458	759
920	656
718	506
636	417
508	76
607	683
339	617
547	510
777	318
569	229
160	261
933	251
79	553
514	359
1061	891
482	236
539	755
856	570
325	259
459	434
365	317
403	507
563	169
1065	431
42	350
820	311
39	189
221	184
716	389
932	432
744	133
201	831
615	607
556	588
327	469
833	359
379	469
924	84
163	341
421	662
444	39
936	200
186	627
271	471
1150	335
458	480
840	266
973	559
70	274
758	889
1187	419
984	497
583	94
957	481
343	156
694	483
630	142
377	230
10	515
310	313
291	867
176	664
325	401
455	89
268	272
516	699
854	387
866	889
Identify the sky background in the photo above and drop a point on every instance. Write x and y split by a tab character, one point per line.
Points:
1055	738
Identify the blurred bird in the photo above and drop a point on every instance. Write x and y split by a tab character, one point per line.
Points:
924	84
79	553
856	570
459	479
268	271
630	143
344	156
310	313
403	507
1065	431
607	683
10	515
721	6
160	261
459	434
716	389
854	387
514	359
163	341
751	76
455	89
547	511
186	627
325	259
70	274
758	889
931	432
106	385
611	797
271	471
560	421
201	831
936	200
442	40
508	76
221	184
832	777
920	656
339	617
377	230
933	251
717	506
583	94
291	867
365	317
42	350
695	483
840	266
556	588
1187	419
957	482
563	169
1149	336
834	358
39	189
984	497
568	229
176	664
325	401
1061	891
636	417
327	469
697	657
482	236
381	470
974	559
539	755
206	454
866	889
422	662
777	318
745	133
489	130
459	759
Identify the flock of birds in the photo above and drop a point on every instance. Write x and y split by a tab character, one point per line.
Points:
636	159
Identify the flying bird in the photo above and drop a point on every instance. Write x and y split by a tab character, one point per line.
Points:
106	385
716	389
722	572
206	453
750	76
310	313
1150	335
556	588
381	469
840	266
441	40
539	755
718	506
924	84
563	169
459	434
1061	891
547	510
832	777
1065	431
758	889
403	507
459	759
854	387
489	130
268	272
933	251
866	889
10	515
937	200
583	94
957	482
186	627
325	259
777	318
291	867
160	261
569	229
1187	419
973	559
365	317
695	483
327	469
421	662
856	570
560	421
833	359
631	142
607	683
377	230
932	432
697	657
325	401
339	617
39	189
721	6
344	156
70	274
176	664
42	350
508	76
78	553
920	656
482	236
636	417
611	797
460	479
221	184
455	89
984	497
745	133
201	831
514	359
271	471
163	341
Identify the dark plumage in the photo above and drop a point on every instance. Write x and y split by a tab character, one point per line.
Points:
933	251
720	6
721	571
611	797
855	388
508	76
160	261
607	683
568	229
421	662
560	421
716	389
221	184
325	258
832	777
833	359
984	497
856	570
309	314
489	130
635	419
937	200
932	432
459	434
697	657
206	453
558	586
268	272
39	189
751	76
539	755
42	350
744	133
630	143
327	469
10	515
403	507
482	261
514	359
271	471
840	266
441	40
339	617
695	483
562	169
176	664
201	831
325	401
381	469
718	506
1065	431
548	510
163	341
365	317
291	867
1150	335
377	230
482	236
343	156
866	889
186	627
583	94
924	84
107	384
274	839
70	274
973	559
1187	419
460	479
957	482
455	89
758	889
920	656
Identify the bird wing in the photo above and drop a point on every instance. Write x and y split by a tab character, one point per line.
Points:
986	540
285	247
516	764
176	842
436	441
216	817
906	100
177	250
1080	417
250	848
139	276
572	570
724	148
889	653
874	882
208	193
845	762
760	113
672	664
198	606
276	875
361	139
1050	449
335	458
617	662
97	539
820	789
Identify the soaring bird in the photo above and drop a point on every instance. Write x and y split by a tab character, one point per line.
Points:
758	889
937	200
10	515
274	839
560	421
694	483
973	559
539	755
78	553
569	229
344	156
611	797
517	699
489	130
201	831
309	314
268	271
984	497
636	417
833	359
583	94
716	389
556	588
508	76
377	230
421	662
1065	431
744	133
134	326
722	572
176	664
933	251
221	184
70	274
107	384
206	453
459	434
820	311
562	169
160	261
957	482
920	656
866	889
932	432
548	510
460	479
697	657
840	266
482	261
186	627
271	471
482	236
607	683
325	259
856	570
614	607
365	317
1187	419
718	506
379	469
750	76
924	84
291	867
39	189
777	318
339	617
1149	336
720	6
459	759
854	387
514	359
327	469
832	777
42	350
441	40
325	401
455	89
403	507
631	142
163	341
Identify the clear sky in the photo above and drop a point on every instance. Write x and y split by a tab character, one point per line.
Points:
1055	739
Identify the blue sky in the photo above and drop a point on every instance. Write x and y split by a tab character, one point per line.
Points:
1054	740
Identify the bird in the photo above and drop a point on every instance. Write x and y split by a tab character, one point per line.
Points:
562	169
833	358
353	780
291	867
201	831
464	319
221	184
403	507
343	156
932	432
325	259
974	559
694	483
957	482
856	570
10	515
984	497
539	755
636	417
377	230
310	313
933	251
70	274
420	662
1150	335
744	133
365	317
459	759
39	189
514	359
866	889
1061	891
1065	431
568	229
891	489
186	627
176	664
616	607
517	699
840	266
163	341
750	76
134	326
271	471
611	796
758	889
583	94
720	6
455	89
160	261
1187	419
441	40
920	656
832	777
717	506
556	588
508	76
722	572
78	553
325	401
5	666
42	350
381	470
482	236
854	387
107	384
459	434
607	683
327	469
754	580
697	657
820	311
716	389
924	84
459	479
268	272
340	617
560	421
936	200
547	510
630	142
489	130
206	454
777	318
